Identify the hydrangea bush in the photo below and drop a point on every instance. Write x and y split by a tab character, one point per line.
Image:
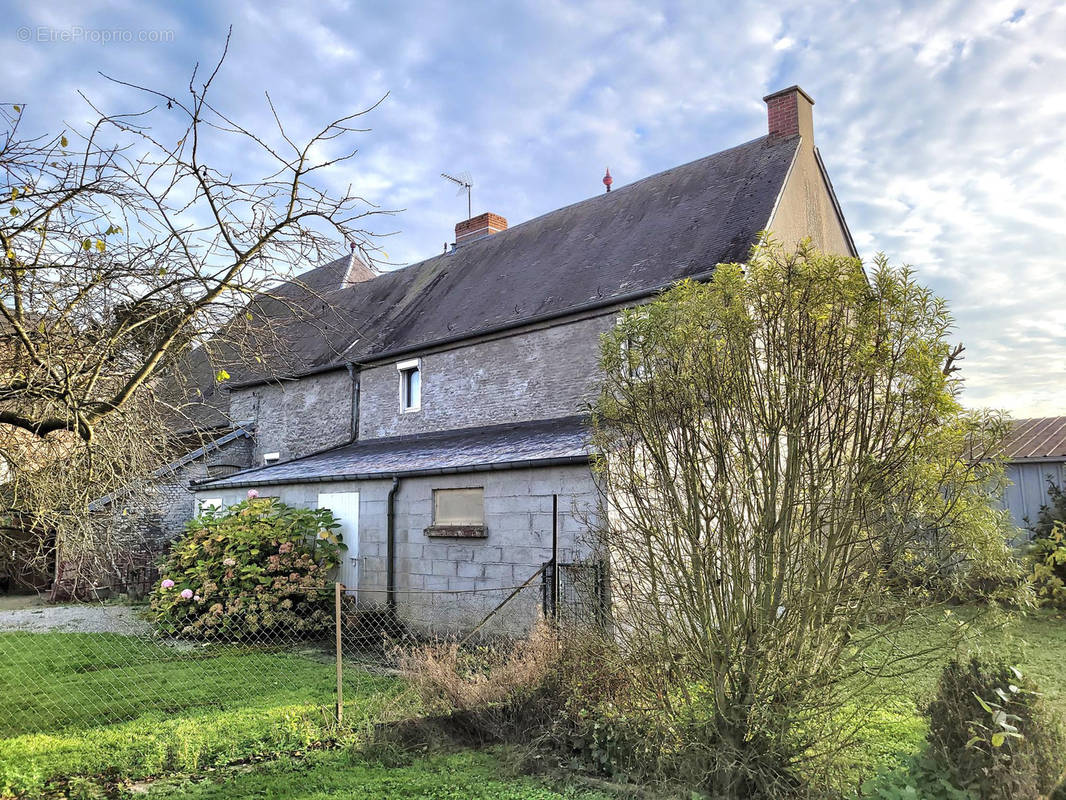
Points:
254	569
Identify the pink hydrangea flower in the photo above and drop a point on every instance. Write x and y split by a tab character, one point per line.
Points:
167	584
230	562
252	494
186	593
197	598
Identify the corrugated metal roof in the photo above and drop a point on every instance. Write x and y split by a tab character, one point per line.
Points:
512	446
1037	438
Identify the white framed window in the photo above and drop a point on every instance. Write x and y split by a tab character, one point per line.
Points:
410	384
459	506
271	458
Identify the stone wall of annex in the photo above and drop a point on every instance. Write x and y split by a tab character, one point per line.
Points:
297	417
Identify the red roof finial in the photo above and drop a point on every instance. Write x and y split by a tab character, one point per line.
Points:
608	180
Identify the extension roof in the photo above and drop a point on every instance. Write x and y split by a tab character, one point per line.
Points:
1038	439
510	446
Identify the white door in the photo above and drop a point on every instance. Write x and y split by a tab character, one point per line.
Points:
345	507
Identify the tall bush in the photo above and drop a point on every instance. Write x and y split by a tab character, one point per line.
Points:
780	446
257	569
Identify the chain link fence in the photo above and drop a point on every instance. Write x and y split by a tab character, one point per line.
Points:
79	666
90	664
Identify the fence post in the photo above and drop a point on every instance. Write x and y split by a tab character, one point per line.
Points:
555	557
337	589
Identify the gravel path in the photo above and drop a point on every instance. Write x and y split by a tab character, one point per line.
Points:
87	618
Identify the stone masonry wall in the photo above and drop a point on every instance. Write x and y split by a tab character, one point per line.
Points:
175	502
295	418
540	374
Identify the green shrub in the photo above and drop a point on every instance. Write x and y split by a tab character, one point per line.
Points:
1047	558
256	568
920	778
990	728
1052	512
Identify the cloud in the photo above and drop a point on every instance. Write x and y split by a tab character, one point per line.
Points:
941	124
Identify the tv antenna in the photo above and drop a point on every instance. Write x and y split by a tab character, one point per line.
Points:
465	184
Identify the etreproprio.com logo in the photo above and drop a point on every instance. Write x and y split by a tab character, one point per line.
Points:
76	33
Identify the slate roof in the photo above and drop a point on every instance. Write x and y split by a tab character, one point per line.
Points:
337	274
1041	438
511	446
610	248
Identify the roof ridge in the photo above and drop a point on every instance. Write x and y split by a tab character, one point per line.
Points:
499	235
614	193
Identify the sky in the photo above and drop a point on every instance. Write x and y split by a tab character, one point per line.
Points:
942	124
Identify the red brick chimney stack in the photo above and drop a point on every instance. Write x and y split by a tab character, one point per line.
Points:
789	113
477	227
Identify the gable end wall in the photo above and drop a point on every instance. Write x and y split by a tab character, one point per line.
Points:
806	208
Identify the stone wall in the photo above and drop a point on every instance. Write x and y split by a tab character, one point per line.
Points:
539	374
175	502
295	418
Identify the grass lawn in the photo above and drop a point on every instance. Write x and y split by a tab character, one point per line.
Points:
123	707
1035	643
57	682
342	774
119	708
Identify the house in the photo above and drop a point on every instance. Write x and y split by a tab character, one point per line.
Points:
1035	455
138	522
437	409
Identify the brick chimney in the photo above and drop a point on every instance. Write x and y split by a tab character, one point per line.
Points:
789	113
478	227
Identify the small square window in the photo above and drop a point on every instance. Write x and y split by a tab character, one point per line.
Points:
458	514
410	385
459	506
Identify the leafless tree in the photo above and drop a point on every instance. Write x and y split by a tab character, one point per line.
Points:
125	246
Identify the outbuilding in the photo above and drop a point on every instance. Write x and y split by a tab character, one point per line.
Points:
1036	456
